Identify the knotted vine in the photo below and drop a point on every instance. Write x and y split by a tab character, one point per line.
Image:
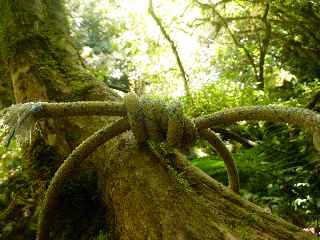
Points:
148	120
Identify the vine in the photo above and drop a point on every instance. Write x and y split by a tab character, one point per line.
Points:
149	120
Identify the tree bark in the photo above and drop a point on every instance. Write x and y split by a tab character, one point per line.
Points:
124	190
6	98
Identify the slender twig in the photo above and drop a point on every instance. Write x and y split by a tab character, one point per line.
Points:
173	48
234	136
233	36
264	45
313	101
222	2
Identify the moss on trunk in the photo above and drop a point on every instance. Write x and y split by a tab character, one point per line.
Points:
43	65
6	97
149	200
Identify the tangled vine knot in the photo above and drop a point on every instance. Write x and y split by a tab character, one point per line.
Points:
149	120
152	119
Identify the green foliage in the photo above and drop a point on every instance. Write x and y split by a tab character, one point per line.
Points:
96	33
102	236
224	94
17	198
9	161
293	163
211	165
298	37
281	174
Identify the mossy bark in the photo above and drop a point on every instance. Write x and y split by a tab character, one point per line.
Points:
43	64
146	199
123	190
39	58
6	97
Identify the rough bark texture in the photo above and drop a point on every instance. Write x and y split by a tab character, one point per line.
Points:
43	65
123	190
149	200
6	98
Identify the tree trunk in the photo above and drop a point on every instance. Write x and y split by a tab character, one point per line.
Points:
149	202
6	98
124	190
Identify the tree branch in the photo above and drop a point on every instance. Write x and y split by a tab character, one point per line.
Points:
313	101
173	48
222	2
234	37
234	136
264	46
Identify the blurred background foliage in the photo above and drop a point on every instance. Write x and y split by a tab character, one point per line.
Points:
234	53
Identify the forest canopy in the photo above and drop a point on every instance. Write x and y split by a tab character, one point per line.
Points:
208	55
